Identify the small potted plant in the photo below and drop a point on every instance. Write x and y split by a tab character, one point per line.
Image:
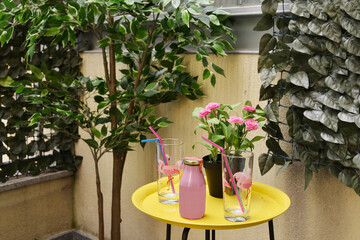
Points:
227	129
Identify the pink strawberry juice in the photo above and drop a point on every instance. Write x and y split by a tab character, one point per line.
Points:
192	190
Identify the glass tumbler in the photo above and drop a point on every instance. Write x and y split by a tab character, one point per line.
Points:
237	201
169	162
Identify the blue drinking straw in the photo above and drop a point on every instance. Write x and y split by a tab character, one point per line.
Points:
153	140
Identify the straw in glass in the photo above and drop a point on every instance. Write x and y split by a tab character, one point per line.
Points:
230	173
163	155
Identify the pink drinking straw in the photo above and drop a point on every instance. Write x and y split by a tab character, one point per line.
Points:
164	156
231	175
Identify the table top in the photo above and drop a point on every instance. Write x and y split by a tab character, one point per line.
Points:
267	203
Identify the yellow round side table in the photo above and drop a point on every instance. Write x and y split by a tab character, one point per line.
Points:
267	203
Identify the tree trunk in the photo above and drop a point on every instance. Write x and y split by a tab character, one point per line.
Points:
118	167
100	202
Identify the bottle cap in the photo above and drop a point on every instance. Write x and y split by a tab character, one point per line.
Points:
192	161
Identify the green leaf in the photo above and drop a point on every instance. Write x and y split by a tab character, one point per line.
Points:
219	49
163	124
257	138
308	177
213	121
267	43
20	89
122	29
52	32
299	79
267	75
300	47
151	86
352	45
335	49
299	8
175	3
329	119
345	177
286	164
348	104
165	3
104	130
213	80
5	82
4	24
351	26
274	146
9	4
96	132
266	162
214	20
317	64
44	92
269	7
270	114
33	119
353	64
206	73
332	31
218	69
37	72
198	57
9	34
265	23
313	115
330	99
203	51
92	143
333	137
352	8
316	9
185	17
216	138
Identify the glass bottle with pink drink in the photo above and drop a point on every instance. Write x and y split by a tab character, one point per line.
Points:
192	189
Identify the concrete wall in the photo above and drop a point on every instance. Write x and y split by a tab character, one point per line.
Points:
326	210
36	211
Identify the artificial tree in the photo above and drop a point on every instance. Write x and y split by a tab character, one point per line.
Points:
148	37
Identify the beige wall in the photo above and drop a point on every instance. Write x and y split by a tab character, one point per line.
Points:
38	211
326	210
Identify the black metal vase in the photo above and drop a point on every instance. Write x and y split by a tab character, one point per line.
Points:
214	176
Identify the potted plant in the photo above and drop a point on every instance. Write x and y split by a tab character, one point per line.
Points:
148	38
229	132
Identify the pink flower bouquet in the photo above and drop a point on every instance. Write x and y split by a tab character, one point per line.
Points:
226	128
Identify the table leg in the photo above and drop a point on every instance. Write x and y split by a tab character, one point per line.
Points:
207	234
185	233
168	232
271	230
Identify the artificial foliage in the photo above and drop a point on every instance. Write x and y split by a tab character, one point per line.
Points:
148	38
310	70
32	150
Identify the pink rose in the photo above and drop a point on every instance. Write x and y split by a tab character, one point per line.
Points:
251	124
249	109
233	119
204	112
212	106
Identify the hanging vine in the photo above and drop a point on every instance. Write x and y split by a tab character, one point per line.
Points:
310	66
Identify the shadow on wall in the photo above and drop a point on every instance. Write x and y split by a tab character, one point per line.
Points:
326	210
